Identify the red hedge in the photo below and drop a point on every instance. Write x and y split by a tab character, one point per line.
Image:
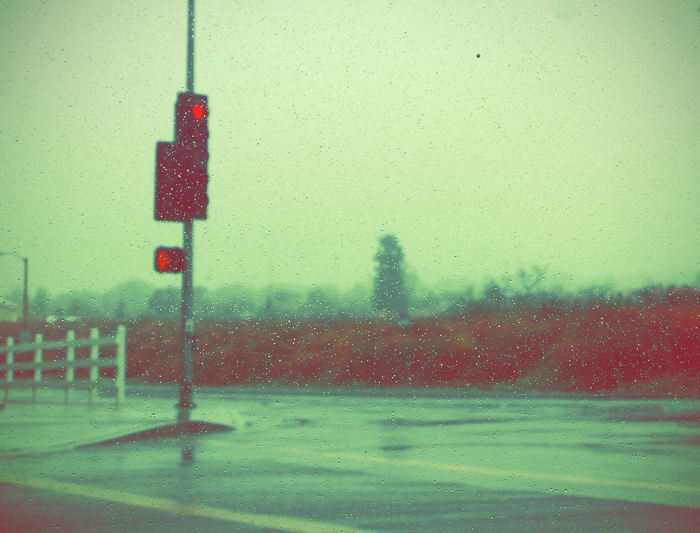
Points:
648	348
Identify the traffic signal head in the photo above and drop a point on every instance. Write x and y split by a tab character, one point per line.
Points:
192	152
169	184
181	166
170	259
191	122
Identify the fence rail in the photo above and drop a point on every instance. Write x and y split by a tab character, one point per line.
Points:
69	364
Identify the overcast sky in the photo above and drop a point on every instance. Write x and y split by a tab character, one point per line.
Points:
573	142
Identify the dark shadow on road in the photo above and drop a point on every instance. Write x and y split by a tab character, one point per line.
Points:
165	432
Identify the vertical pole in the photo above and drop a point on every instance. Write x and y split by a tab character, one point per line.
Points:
188	331
9	378
190	47
70	368
121	364
38	359
94	359
25	305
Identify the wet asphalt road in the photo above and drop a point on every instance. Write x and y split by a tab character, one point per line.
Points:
354	462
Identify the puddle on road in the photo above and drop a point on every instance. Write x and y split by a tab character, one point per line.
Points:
402	422
690	418
395	448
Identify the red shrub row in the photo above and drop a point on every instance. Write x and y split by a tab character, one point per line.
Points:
603	348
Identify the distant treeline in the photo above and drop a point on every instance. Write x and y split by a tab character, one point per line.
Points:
393	290
136	300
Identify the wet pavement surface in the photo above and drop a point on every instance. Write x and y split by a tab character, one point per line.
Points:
269	460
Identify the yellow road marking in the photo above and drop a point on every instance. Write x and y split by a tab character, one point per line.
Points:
162	504
667	487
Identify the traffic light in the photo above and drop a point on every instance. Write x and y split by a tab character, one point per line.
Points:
169	184
170	259
191	141
191	118
181	166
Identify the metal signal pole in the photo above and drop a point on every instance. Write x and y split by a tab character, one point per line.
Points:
188	329
25	335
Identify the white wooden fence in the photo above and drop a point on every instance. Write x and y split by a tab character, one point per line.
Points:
69	364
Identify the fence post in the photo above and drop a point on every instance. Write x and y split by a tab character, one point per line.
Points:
38	359
94	369
10	376
120	338
70	360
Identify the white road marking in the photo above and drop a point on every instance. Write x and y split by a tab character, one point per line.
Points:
495	472
280	523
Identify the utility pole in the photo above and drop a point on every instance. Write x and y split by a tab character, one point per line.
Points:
188	330
25	335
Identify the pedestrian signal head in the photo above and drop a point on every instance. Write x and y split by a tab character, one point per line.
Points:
170	259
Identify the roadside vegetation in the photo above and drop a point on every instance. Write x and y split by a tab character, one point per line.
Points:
645	343
519	333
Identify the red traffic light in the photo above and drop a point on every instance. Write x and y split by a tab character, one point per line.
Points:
181	166
191	122
170	259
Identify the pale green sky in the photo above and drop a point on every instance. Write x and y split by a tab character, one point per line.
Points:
573	141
